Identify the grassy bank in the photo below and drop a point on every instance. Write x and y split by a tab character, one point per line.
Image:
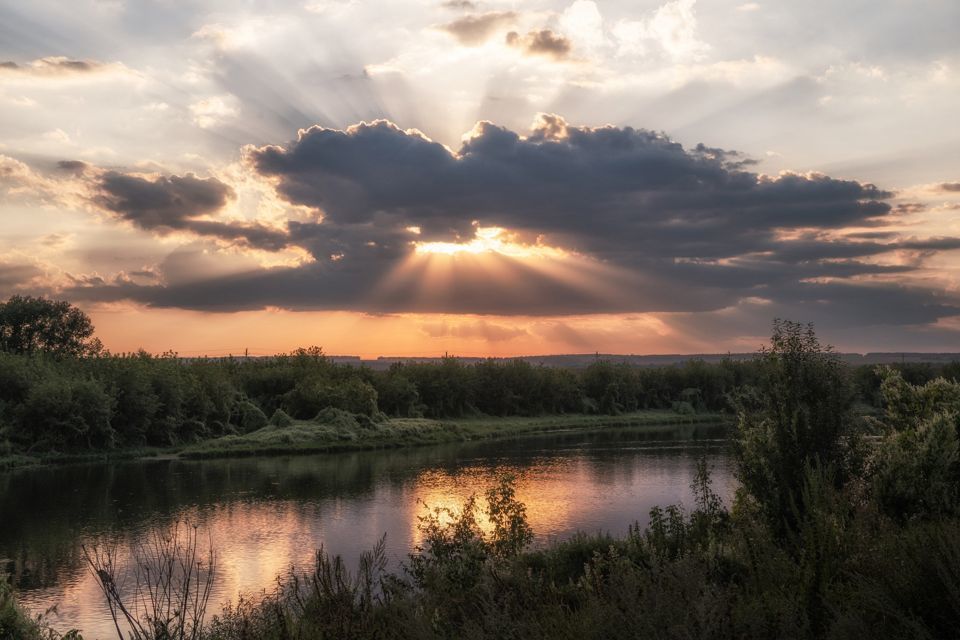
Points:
340	431
19	460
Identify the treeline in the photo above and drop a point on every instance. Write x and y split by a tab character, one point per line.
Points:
109	401
106	401
137	400
60	391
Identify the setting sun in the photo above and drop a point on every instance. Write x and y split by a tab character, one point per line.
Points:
491	240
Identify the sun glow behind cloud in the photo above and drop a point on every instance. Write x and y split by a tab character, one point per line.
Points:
491	240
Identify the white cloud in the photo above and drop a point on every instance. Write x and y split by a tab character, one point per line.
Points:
213	111
58	135
582	23
671	30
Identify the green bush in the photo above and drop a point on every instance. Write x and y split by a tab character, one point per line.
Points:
281	419
250	417
64	414
16	624
916	470
312	396
798	415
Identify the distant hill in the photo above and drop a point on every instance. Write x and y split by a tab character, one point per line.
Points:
577	360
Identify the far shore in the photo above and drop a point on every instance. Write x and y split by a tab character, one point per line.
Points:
309	437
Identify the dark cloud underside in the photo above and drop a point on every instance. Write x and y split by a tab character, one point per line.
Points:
179	203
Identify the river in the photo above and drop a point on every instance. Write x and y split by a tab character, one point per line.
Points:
266	515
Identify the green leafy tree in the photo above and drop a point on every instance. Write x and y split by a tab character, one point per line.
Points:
797	416
915	473
36	325
67	414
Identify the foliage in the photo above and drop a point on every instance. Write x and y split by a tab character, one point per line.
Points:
16	624
72	413
250	417
916	471
280	418
37	325
797	415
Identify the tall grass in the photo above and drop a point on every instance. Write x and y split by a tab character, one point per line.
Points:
171	583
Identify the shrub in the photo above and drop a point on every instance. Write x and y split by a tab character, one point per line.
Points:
281	419
250	417
798	415
68	415
312	396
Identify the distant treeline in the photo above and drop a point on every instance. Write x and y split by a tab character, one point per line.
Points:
60	391
106	401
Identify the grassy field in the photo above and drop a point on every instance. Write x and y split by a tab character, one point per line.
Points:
340	431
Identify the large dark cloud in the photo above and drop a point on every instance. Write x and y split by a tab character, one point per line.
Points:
179	203
659	228
618	193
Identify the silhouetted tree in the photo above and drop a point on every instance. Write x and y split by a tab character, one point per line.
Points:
36	325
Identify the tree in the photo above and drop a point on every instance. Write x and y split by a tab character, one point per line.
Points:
798	417
36	325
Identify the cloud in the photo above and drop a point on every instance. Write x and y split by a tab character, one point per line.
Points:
19	181
210	112
639	223
671	31
475	29
465	5
582	22
563	333
75	167
541	43
586	188
15	276
950	186
179	203
52	66
164	201
481	329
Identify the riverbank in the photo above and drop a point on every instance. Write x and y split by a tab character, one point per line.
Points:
340	431
342	434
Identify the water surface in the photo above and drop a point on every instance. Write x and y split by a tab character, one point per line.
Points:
266	515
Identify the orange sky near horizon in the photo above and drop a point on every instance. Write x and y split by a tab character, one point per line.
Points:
124	328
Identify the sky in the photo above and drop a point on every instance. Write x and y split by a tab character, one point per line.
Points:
484	178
